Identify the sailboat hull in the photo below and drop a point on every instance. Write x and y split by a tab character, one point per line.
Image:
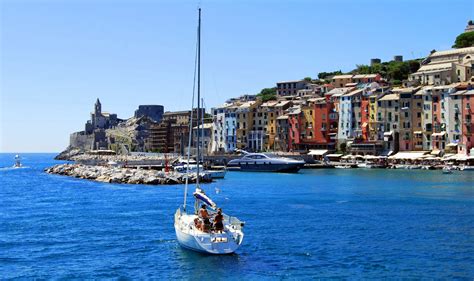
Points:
189	238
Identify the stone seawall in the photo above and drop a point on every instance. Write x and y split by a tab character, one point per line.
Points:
123	175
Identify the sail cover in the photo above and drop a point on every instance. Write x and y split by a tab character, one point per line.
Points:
200	195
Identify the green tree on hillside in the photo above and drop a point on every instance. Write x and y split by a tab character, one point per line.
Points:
323	75
465	39
392	70
267	94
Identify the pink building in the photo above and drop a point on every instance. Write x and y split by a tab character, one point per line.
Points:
467	140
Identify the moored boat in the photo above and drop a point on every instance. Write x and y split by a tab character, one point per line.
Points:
466	168
265	162
192	168
447	170
342	166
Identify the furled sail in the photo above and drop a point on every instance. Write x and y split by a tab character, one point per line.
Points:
200	195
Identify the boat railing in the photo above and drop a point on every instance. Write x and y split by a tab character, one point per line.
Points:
233	221
177	214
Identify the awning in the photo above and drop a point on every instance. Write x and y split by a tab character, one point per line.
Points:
388	133
200	195
418	132
432	158
435	152
452	144
449	156
318	152
387	153
439	134
458	157
334	155
370	157
364	125
409	155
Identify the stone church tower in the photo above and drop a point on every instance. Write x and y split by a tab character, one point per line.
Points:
98	108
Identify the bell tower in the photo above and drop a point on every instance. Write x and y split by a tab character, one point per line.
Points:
98	108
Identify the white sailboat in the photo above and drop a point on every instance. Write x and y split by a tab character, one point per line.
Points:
17	162
188	226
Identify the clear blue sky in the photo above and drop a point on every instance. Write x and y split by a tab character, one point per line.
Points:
58	56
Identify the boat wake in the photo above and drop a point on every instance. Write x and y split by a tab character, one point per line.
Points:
13	168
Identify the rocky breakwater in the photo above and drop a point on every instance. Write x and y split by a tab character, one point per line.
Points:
123	175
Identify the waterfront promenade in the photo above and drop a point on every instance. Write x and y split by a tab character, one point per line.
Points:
329	223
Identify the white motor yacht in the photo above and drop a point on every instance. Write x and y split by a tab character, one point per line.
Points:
265	162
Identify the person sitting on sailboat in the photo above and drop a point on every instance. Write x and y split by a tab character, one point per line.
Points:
218	221
204	215
198	224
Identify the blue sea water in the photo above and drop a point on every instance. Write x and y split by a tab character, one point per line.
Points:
340	223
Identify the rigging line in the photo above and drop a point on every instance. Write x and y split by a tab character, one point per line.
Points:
190	128
202	132
198	95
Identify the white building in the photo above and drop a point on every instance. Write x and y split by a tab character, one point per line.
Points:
205	134
446	67
451	104
230	129
345	118
218	144
427	117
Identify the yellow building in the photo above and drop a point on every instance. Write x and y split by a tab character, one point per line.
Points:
245	117
269	116
373	116
308	118
340	81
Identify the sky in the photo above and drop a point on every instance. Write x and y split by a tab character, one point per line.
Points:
57	57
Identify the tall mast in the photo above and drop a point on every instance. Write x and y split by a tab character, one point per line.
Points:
198	97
